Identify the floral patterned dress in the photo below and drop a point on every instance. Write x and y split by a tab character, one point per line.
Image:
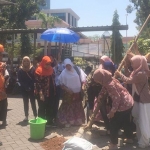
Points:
71	110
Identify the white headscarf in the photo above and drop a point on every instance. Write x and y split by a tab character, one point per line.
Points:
70	78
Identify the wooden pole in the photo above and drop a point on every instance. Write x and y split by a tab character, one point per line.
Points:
122	62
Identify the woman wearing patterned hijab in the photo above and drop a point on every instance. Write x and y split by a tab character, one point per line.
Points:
122	103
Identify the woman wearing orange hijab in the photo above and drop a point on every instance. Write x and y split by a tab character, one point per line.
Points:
45	90
4	78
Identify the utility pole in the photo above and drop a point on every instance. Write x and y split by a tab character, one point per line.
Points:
126	32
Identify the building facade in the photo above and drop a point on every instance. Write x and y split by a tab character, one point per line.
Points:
47	5
67	15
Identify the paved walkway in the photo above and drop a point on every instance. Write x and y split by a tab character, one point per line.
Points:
16	136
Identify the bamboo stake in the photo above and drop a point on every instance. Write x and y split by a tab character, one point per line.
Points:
89	125
121	64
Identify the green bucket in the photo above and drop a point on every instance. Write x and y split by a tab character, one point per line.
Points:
37	128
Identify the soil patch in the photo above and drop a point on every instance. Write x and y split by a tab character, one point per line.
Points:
55	143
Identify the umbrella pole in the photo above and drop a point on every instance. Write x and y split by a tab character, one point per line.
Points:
45	48
49	48
60	52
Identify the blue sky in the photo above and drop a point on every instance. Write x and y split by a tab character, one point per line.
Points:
99	13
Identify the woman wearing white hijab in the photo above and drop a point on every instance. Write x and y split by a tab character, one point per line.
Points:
71	111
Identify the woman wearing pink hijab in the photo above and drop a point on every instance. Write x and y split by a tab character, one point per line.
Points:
141	108
122	102
103	59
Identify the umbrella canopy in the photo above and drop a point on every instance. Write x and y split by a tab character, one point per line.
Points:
61	35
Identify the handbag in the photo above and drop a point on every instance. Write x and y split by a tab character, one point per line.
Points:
136	96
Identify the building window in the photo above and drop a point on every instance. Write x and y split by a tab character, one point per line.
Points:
75	22
72	21
60	15
68	18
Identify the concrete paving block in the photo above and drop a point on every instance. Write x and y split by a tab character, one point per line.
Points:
31	147
79	135
87	135
14	145
120	142
103	132
81	130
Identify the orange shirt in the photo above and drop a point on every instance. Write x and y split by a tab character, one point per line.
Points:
2	82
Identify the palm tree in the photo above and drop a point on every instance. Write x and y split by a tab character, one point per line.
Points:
47	21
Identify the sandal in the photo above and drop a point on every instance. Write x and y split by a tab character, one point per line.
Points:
128	141
109	148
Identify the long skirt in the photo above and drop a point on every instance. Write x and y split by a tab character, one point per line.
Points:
71	110
141	114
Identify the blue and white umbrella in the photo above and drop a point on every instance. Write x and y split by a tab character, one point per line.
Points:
61	35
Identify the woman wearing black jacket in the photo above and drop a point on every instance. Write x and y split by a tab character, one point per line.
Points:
26	79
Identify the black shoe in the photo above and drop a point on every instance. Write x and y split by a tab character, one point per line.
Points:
1	143
53	125
25	119
4	123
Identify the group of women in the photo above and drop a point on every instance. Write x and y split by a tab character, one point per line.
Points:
41	83
117	104
122	105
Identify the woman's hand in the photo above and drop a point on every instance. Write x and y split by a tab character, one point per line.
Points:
66	89
41	96
3	94
117	73
110	115
69	91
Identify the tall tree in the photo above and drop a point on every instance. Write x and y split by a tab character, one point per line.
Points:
142	8
117	47
15	17
48	21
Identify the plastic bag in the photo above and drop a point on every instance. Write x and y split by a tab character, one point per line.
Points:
76	143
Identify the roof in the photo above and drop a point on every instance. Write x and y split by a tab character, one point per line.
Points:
38	24
127	39
75	29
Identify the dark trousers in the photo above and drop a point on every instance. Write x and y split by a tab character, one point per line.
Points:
26	96
46	109
120	119
56	102
103	111
3	109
